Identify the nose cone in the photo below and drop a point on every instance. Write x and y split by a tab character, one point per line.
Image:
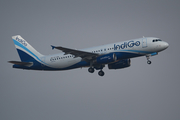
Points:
166	45
162	46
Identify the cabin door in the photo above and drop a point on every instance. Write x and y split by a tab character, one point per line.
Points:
144	42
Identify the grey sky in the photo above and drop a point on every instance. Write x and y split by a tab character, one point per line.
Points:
140	92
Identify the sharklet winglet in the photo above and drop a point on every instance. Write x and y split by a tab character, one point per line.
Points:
52	47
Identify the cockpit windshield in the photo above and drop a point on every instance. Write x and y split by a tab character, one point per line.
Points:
156	40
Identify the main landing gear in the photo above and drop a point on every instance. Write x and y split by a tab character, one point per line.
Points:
91	70
148	61
100	73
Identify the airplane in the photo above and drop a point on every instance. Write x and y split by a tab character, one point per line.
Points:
114	55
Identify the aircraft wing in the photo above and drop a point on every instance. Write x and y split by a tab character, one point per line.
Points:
77	53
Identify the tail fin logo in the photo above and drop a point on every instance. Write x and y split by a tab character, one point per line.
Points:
23	42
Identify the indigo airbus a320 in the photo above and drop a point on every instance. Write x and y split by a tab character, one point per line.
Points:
115	55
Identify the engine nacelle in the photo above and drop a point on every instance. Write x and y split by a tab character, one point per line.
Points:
105	59
120	64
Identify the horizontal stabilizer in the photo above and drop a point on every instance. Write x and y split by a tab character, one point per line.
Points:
21	63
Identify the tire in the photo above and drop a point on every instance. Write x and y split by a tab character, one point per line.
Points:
91	70
149	62
101	73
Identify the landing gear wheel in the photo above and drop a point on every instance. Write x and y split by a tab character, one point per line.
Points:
149	62
91	70
101	73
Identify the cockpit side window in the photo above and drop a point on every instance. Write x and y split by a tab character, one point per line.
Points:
156	40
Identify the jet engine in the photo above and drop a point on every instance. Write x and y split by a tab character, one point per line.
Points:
105	59
120	64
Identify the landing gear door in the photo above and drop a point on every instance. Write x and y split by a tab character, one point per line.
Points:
144	42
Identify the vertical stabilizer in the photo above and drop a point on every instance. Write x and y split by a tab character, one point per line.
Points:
25	50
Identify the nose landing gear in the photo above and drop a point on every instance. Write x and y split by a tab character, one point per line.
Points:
148	61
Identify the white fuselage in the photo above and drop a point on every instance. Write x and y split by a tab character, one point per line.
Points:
141	46
115	55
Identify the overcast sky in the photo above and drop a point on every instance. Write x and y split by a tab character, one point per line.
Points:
140	92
